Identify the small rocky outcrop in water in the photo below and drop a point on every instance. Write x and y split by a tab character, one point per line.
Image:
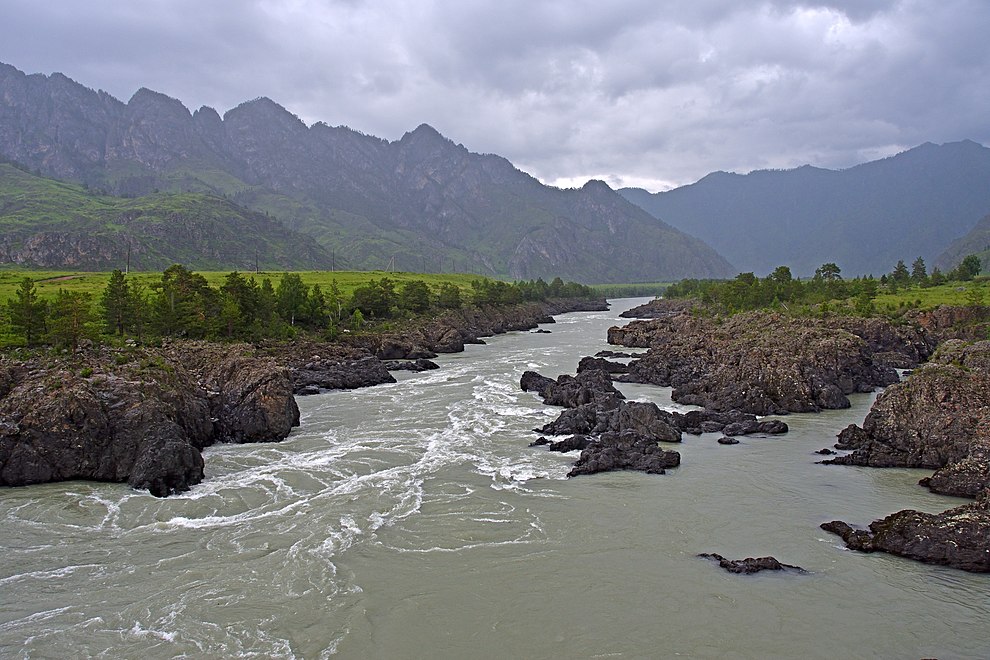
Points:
627	450
613	434
758	362
959	537
938	418
750	565
589	387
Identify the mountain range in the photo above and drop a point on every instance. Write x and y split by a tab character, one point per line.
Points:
419	203
864	218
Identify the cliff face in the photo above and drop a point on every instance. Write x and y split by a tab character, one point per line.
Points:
419	200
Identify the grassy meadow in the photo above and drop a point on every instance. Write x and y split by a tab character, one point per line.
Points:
47	283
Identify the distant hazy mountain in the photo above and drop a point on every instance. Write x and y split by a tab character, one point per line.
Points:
52	224
421	202
863	218
977	242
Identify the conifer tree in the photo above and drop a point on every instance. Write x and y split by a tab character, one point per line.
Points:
27	312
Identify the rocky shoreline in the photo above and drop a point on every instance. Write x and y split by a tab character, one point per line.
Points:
760	363
939	418
142	415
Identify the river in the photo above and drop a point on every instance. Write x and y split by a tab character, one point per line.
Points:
412	520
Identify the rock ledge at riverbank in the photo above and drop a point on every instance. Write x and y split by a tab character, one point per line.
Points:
142	415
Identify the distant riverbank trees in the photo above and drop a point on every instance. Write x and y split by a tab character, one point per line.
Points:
780	289
182	303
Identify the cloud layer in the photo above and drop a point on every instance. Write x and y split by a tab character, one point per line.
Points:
637	92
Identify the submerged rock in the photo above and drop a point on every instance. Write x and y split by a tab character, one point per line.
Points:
750	565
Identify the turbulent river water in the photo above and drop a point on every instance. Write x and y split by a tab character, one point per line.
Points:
412	521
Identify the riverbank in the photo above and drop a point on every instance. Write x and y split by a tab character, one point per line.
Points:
769	363
142	415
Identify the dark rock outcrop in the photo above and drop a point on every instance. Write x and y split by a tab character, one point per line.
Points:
758	362
624	451
336	374
612	433
590	387
418	365
136	416
939	418
750	565
767	427
659	308
959	537
588	363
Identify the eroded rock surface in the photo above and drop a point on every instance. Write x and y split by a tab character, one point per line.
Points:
939	418
758	362
959	537
136	416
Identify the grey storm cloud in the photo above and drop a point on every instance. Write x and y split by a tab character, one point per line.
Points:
636	92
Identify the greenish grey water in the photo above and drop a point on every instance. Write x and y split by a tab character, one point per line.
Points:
412	521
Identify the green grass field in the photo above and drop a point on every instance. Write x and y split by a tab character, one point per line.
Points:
955	293
47	283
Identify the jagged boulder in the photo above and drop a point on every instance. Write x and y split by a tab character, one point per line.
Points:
624	451
593	386
750	565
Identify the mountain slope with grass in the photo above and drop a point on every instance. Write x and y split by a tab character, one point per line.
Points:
51	224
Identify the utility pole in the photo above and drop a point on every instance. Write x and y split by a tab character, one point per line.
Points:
333	260
256	268
127	265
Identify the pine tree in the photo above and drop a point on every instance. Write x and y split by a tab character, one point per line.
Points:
116	304
919	274
27	312
68	318
900	273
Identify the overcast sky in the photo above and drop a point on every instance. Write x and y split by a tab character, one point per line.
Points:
650	93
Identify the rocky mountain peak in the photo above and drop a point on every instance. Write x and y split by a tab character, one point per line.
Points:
148	102
263	110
